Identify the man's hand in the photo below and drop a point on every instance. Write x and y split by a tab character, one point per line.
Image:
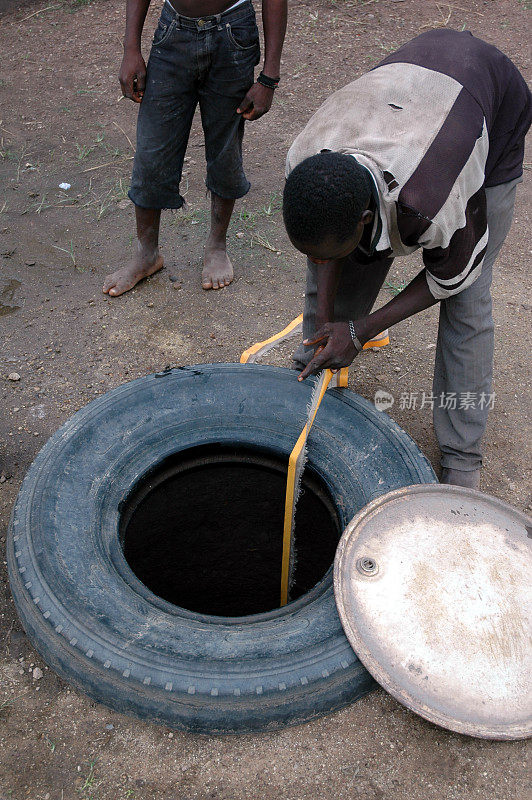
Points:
257	102
336	348
132	75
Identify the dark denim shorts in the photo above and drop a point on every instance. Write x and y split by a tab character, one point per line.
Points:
210	61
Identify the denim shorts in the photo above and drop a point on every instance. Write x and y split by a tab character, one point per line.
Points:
210	61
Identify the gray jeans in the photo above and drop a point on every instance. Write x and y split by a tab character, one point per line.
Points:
464	351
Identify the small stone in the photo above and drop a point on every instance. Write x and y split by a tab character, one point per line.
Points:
109	727
173	278
213	336
3	478
150	305
13	376
125	203
177	286
240	235
37	674
16	409
170	735
30	263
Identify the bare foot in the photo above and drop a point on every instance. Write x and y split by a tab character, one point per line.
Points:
126	278
218	270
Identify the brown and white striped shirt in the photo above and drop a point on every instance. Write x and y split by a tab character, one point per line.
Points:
435	123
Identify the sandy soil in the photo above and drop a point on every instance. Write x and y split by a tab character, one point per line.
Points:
61	121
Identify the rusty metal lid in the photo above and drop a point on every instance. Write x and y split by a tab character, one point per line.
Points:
432	585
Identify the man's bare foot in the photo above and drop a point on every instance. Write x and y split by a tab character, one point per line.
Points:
218	270
126	278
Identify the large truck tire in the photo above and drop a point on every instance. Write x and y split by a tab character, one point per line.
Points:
99	627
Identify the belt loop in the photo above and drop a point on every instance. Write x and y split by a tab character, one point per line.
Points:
218	20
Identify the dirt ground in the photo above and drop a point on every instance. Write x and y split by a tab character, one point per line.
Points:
61	121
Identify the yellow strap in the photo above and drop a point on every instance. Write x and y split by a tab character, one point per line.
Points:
379	341
255	350
291	488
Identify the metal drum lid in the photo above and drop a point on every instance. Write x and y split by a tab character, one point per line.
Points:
432	585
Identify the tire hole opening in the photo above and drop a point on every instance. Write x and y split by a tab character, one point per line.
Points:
204	530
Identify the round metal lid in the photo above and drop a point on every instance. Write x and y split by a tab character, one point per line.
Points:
432	585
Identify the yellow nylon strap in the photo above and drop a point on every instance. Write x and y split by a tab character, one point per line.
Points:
295	455
256	350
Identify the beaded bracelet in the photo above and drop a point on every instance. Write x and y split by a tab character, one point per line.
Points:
271	83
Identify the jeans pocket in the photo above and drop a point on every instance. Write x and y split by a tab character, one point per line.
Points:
163	32
243	35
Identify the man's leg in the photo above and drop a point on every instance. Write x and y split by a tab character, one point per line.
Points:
146	260
464	356
229	76
358	289
163	127
218	270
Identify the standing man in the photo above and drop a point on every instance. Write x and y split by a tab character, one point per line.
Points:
203	51
425	151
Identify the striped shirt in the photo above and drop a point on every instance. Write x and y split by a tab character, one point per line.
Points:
435	123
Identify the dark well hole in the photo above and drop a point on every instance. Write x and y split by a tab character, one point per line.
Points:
204	531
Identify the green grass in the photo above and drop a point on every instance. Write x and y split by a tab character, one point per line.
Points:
89	784
395	288
77	4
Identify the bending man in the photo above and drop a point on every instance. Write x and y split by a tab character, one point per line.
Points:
425	151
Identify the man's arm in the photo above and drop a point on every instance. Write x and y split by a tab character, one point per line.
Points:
328	277
335	338
133	70
259	98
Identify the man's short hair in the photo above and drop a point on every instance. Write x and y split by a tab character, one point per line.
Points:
325	197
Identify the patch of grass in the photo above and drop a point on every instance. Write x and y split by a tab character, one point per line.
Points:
70	252
256	238
247	218
9	702
75	5
90	782
274	204
38	206
99	143
193	216
83	150
119	191
395	288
